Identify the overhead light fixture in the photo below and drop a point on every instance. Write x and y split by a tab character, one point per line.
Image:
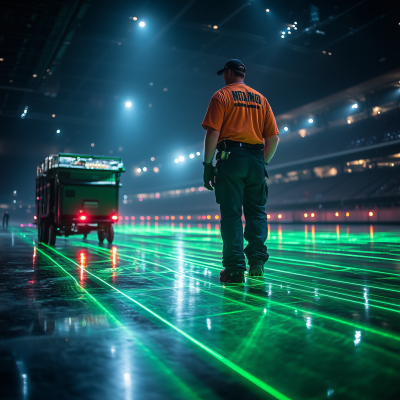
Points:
142	24
134	18
144	169
198	153
128	104
310	120
58	131
191	156
215	27
267	10
349	121
181	158
138	170
285	128
176	161
355	105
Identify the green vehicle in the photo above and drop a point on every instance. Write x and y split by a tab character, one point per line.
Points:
77	194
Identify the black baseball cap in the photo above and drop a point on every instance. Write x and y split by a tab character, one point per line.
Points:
233	64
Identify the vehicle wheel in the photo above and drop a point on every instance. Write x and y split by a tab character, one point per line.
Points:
85	236
110	234
101	235
39	232
45	233
52	235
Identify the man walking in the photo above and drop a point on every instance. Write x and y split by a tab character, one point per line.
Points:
240	124
6	217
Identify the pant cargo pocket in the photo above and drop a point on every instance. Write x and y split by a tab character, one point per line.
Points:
264	194
220	192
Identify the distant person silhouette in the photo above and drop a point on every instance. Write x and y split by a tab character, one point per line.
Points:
6	217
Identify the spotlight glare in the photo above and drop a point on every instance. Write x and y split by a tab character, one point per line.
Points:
144	169
191	156
354	105
128	104
198	153
282	36
267	10
181	158
285	128
310	121
138	170
295	23
58	131
142	24
176	160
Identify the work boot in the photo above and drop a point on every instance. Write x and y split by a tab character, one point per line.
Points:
236	276
256	270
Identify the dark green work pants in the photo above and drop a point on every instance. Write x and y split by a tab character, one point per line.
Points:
240	182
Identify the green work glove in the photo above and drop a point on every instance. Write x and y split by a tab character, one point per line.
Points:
208	176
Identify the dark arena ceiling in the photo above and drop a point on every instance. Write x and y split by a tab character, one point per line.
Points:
75	64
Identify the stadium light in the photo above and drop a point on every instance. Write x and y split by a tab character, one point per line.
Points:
355	105
128	104
144	169
181	158
285	128
191	156
142	24
138	170
267	10
198	153
310	120
58	131
282	36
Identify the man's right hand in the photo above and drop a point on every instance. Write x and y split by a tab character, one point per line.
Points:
208	176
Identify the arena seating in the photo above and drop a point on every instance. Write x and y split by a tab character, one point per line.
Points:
378	183
378	129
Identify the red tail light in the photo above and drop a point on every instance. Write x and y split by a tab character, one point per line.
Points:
114	217
82	216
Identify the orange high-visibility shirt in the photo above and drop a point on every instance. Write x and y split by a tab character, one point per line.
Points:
241	114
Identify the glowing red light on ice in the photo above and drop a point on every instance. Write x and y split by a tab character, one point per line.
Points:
83	217
114	217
